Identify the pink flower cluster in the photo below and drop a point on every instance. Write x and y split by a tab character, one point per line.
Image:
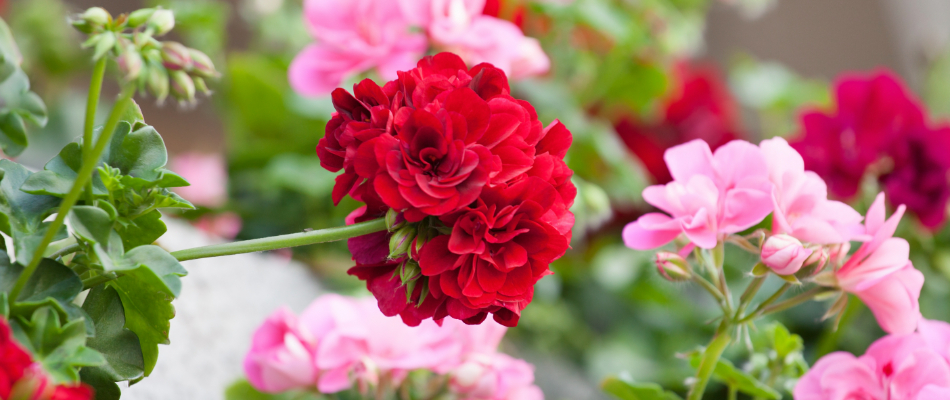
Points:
341	343
713	195
913	366
354	36
879	128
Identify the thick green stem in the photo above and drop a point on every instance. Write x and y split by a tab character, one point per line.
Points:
708	364
283	241
92	101
84	175
98	280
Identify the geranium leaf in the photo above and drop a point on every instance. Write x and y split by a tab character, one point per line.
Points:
105	387
142	230
118	345
21	213
59	347
149	283
727	373
624	390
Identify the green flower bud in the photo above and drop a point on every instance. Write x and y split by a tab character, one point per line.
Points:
139	17
157	82
176	56
102	44
409	271
201	64
97	17
201	86
182	86
130	63
673	267
161	22
391	216
401	241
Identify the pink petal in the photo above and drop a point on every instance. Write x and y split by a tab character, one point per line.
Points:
894	300
918	370
650	231
689	159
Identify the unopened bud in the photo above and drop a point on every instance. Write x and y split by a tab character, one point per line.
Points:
157	82
201	86
466	377
201	64
139	17
102	43
409	271
400	241
97	17
672	266
161	22
182	86
130	63
838	253
784	254
391	217
176	56
814	263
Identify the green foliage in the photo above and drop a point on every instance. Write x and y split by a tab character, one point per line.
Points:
21	213
727	373
626	390
118	345
17	103
59	346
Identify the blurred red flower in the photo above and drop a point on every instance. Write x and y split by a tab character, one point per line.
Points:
14	360
700	107
21	376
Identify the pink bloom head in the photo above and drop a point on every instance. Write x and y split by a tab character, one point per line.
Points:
802	208
894	367
208	176
881	274
281	355
495	377
710	195
784	254
353	36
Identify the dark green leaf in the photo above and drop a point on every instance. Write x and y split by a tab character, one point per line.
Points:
118	345
12	133
727	373
624	390
91	224
105	388
59	347
142	230
51	283
21	213
9	53
4	306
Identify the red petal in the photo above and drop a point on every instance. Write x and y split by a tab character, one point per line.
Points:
557	139
435	257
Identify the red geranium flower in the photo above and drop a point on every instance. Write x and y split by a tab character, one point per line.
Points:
498	249
14	360
919	178
18	373
700	108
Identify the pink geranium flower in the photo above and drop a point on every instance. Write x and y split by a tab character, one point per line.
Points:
353	36
881	275
208	176
495	377
281	355
896	367
800	198
710	195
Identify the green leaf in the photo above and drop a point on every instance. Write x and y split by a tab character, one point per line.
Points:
21	213
142	230
784	342
149	283
4	306
105	388
727	373
59	347
118	345
91	224
625	390
242	390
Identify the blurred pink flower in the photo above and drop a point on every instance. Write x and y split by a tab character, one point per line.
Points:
495	376
896	367
784	254
460	27
208	176
881	275
800	198
353	36
225	225
281	355
710	195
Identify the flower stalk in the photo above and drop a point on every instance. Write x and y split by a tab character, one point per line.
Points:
710	358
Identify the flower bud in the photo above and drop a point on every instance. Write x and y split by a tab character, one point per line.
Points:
157	82
139	17
401	241
130	64
391	216
201	86
672	266
409	271
838	253
161	22
784	254
102	44
175	56
201	64
96	17
814	263
182	86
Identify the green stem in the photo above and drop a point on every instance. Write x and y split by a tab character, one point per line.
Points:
733	392
708	364
749	293
92	101
65	251
712	289
84	175
98	280
775	296
283	241
794	301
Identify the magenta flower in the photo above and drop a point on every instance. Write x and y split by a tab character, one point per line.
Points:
872	112
919	178
710	195
800	199
353	36
896	367
881	275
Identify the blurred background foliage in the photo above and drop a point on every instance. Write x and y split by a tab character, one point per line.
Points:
621	70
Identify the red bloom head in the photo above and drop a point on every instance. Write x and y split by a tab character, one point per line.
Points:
456	155
14	360
872	112
700	108
20	376
919	178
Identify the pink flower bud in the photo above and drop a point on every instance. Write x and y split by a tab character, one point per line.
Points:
784	254
672	266
176	56
201	64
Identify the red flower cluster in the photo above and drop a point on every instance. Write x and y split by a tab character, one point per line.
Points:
19	375
480	184
878	126
701	107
